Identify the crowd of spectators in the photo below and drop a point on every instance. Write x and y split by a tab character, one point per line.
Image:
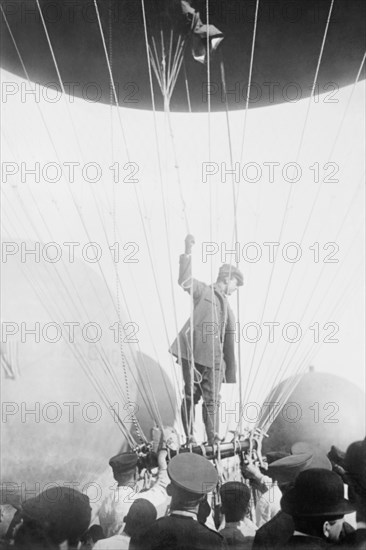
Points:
304	499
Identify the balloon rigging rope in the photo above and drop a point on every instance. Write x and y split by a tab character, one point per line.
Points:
288	388
77	140
248	87
280	373
236	238
78	143
158	417
272	382
120	121
72	302
347	106
104	360
236	193
164	207
167	76
44	300
211	201
148	392
139	431
46	128
329	286
284	217
312	211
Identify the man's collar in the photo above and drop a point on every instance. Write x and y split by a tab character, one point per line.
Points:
184	514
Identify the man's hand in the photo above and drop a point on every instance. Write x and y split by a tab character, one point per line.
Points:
250	471
189	242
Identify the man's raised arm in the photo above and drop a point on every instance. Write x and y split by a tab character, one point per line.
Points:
185	280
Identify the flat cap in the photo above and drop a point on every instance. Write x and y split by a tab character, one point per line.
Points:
319	458
123	462
272	456
235	492
192	473
286	469
228	270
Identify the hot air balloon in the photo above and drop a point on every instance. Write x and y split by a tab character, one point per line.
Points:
289	39
108	186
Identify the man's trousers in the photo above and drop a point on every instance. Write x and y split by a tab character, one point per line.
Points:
207	384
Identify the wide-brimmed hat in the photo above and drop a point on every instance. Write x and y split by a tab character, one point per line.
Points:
316	492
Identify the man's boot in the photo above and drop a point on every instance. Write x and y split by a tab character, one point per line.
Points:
186	412
211	421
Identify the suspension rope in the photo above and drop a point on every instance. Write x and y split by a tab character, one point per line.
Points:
311	212
316	285
143	438
284	217
152	95
211	204
236	237
289	385
160	172
74	349
346	109
249	85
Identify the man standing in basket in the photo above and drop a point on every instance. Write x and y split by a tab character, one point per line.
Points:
207	353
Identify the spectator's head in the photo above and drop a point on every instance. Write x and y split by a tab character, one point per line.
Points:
285	470
32	535
229	278
317	504
192	478
140	516
235	497
124	466
355	466
62	513
91	536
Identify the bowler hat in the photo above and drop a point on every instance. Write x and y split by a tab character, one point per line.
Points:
228	270
316	493
192	473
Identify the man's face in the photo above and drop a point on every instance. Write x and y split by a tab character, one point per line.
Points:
232	285
333	529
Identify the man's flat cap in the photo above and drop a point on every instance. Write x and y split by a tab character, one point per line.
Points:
235	492
123	462
228	270
287	469
192	473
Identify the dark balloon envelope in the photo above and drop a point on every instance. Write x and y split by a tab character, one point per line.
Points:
323	410
289	38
